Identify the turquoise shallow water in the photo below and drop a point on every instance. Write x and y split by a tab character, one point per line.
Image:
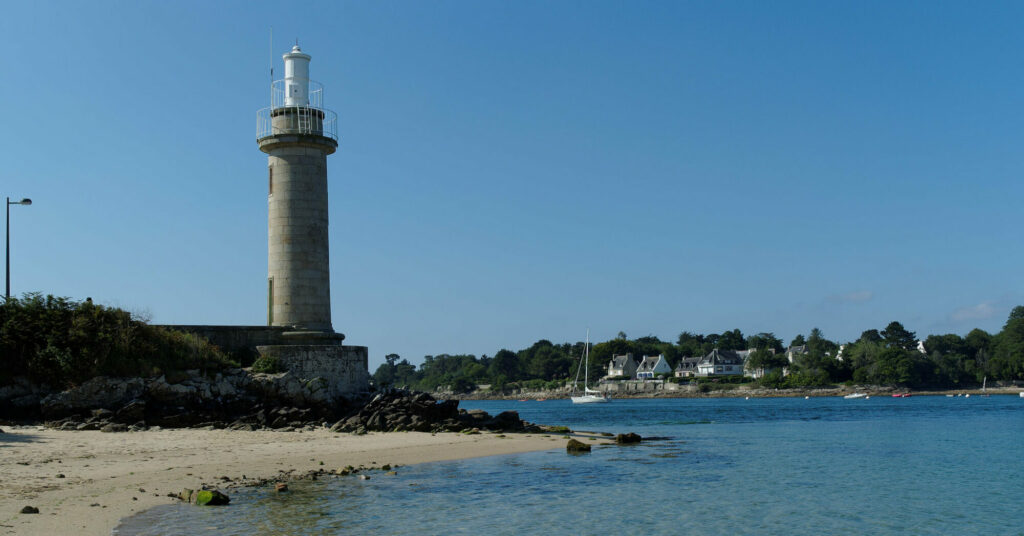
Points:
785	466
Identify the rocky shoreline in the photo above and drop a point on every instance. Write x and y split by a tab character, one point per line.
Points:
739	391
236	399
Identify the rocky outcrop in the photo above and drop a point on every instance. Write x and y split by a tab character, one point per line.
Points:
400	410
241	400
236	397
100	392
627	439
577	446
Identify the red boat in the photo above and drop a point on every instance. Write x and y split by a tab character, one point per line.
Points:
901	395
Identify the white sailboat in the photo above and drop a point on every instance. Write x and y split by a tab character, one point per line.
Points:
589	395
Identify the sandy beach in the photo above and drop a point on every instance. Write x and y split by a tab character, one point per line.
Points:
84	482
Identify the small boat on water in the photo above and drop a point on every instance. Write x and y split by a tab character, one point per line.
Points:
589	395
901	395
1021	394
856	395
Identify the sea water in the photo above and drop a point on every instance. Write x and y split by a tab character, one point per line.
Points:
785	466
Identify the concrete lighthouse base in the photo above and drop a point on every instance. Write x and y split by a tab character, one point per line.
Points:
343	370
308	355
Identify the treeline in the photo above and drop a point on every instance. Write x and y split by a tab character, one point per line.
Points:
889	356
61	342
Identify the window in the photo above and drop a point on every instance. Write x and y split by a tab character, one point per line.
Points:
270	180
270	301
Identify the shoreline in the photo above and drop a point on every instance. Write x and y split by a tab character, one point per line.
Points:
86	482
741	392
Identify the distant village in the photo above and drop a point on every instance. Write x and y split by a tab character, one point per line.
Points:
716	363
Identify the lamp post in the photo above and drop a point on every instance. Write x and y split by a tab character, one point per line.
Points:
25	201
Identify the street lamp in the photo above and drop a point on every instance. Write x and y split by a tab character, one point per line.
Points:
26	201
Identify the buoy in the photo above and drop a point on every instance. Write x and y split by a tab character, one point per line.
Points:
807	398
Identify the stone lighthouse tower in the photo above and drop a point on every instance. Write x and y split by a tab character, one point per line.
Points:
297	134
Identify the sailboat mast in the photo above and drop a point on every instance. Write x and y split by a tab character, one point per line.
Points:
586	361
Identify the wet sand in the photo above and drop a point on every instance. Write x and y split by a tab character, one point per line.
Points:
109	476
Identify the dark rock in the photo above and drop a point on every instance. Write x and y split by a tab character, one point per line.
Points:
115	427
626	439
134	411
102	414
30	510
211	498
90	426
99	392
577	446
179	420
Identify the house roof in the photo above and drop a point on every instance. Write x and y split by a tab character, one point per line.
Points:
722	357
619	361
802	349
688	363
649	362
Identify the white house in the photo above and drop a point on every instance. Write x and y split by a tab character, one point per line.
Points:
721	363
622	365
687	367
652	366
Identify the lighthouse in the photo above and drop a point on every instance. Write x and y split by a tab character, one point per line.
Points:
297	133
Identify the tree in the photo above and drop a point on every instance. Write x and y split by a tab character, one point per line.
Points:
732	340
1016	313
763	341
764	361
621	336
871	335
896	336
1007	362
391	359
820	347
690	344
505	364
798	341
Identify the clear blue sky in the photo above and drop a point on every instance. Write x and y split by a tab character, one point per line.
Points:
524	170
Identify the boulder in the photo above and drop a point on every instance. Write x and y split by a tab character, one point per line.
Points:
626	439
30	510
172	394
211	498
115	427
134	411
576	446
99	392
102	414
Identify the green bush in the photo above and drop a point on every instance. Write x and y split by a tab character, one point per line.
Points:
62	342
267	365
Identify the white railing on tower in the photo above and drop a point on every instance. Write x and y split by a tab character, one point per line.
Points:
309	119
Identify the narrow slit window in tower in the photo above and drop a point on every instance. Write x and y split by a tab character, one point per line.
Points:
270	180
270	301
